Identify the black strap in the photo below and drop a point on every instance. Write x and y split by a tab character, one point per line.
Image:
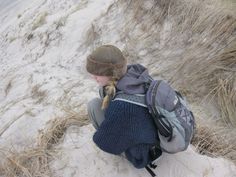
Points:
153	166
155	152
150	171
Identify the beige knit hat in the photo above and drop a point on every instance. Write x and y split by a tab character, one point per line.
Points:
107	60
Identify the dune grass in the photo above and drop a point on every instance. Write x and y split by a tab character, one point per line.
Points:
194	41
215	140
203	33
35	161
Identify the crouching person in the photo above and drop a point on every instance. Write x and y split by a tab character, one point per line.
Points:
121	116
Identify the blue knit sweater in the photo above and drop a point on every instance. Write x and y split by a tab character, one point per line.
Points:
127	128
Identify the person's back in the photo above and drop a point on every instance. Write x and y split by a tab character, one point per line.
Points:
127	128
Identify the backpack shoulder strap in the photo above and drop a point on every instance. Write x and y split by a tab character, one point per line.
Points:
138	99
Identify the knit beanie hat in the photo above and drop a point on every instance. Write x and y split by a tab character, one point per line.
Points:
107	60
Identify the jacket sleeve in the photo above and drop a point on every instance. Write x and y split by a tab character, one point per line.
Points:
114	135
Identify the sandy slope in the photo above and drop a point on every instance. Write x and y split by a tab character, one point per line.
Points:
80	157
43	46
42	68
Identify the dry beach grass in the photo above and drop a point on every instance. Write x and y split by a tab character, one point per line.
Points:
198	41
216	140
35	161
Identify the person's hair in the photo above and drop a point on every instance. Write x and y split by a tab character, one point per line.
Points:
110	91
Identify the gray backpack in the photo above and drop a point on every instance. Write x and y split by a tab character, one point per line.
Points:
171	115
